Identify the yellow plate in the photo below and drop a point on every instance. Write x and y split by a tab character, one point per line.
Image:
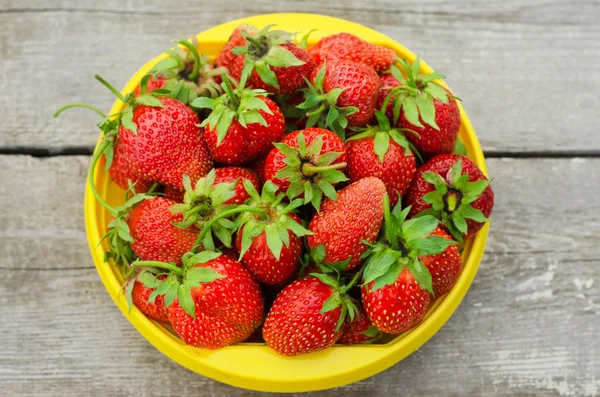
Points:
255	366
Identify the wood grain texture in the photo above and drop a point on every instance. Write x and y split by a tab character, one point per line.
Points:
526	71
528	326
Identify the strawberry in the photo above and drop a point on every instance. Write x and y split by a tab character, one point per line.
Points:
308	163
270	61
342	94
360	330
163	143
223	175
258	166
212	301
445	267
237	39
173	194
237	175
397	286
388	82
205	207
155	140
270	241
122	173
454	190
138	293
344	225
382	152
307	316
241	125
152	83
183	75
397	307
154	235
346	46
421	104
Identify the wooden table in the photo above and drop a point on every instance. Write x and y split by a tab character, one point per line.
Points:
528	75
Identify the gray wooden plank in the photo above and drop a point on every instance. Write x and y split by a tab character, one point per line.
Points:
526	71
527	327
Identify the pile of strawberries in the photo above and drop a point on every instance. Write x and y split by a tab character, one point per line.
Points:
298	196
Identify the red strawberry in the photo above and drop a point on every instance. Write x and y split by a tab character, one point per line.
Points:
242	125
388	82
263	264
272	62
382	152
445	267
174	194
397	307
238	175
122	173
342	225
270	238
307	316
166	143
346	46
212	301
426	108
360	330
226	56
397	286
342	94
158	141
308	163
454	190
258	166
154	235
154	83
140	294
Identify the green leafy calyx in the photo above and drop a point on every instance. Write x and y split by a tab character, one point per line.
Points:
243	105
402	245
381	134
264	51
416	93
338	298
321	107
317	256
189	74
173	282
452	198
203	203
118	234
310	171
275	221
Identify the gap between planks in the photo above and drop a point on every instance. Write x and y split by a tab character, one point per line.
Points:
88	151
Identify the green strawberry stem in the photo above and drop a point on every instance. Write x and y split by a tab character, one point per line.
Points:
153	188
95	159
80	105
351	284
259	46
452	201
235	103
319	110
389	226
225	214
110	87
308	169
196	70
160	265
